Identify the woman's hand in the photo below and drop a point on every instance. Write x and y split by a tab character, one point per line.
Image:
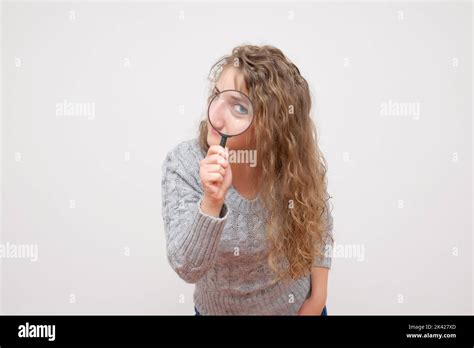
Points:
312	306
216	178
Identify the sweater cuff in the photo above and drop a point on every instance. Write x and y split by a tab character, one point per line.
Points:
323	262
222	215
205	236
325	259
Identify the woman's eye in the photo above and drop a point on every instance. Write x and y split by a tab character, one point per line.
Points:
241	109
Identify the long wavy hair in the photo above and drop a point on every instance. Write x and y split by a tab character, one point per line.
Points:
292	170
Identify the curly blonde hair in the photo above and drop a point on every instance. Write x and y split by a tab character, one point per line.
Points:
292	170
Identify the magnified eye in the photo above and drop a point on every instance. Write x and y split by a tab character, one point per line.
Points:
241	109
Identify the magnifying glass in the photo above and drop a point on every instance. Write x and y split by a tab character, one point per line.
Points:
230	113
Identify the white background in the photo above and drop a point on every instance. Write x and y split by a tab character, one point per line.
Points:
87	190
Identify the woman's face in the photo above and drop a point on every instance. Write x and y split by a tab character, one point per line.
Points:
231	78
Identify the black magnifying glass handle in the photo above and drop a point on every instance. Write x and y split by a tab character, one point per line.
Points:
223	140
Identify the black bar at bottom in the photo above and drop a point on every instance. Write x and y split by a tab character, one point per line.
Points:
133	330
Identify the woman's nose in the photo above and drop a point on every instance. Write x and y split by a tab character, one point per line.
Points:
218	115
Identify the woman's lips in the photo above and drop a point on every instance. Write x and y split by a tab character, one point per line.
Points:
214	132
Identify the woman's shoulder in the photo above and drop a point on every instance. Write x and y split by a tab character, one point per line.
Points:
181	168
187	149
184	156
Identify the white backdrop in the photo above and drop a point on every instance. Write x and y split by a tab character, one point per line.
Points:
95	94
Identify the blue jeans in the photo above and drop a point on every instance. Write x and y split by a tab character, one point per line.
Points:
324	312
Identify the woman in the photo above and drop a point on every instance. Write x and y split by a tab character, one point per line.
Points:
255	239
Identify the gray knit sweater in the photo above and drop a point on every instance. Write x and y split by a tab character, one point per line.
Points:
225	257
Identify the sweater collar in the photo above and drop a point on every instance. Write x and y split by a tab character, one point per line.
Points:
241	204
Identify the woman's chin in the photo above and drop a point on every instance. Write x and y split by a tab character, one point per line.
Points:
213	139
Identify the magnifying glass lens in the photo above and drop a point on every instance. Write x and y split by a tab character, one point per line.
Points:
230	113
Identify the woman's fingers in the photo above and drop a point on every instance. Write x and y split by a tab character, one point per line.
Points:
216	159
216	149
214	177
215	168
215	171
213	189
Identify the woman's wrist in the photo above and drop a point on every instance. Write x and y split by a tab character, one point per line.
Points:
211	206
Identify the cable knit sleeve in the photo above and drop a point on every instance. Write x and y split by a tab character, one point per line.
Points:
325	260
192	237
